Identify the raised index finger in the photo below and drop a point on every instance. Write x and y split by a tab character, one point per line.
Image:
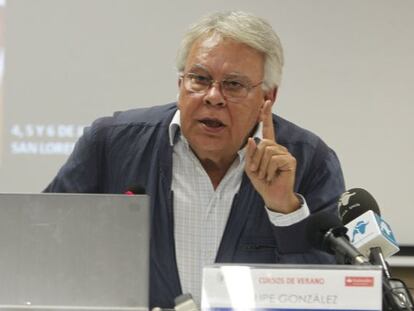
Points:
266	116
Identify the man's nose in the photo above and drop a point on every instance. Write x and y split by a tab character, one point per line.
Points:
214	95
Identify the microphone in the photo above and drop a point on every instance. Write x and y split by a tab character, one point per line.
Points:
371	235
183	302
354	202
326	232
367	231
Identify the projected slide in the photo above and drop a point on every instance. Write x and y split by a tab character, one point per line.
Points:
43	139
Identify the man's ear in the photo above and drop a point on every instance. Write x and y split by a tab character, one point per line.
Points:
271	95
179	91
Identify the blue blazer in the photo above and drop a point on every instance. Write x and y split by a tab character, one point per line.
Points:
132	148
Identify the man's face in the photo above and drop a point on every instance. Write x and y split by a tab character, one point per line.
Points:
215	127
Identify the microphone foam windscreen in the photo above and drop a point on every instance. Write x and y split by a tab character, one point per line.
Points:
317	226
355	202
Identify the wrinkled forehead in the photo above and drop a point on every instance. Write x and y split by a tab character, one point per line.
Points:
214	52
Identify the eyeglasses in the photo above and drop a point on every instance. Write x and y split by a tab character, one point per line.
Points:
231	89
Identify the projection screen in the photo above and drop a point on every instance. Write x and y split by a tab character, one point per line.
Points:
348	77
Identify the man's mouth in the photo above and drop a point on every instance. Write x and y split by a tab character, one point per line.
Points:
213	123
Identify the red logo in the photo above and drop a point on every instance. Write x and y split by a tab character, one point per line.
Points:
359	281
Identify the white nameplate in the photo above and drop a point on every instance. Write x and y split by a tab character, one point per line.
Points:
289	287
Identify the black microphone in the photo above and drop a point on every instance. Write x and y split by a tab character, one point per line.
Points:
355	202
372	235
326	232
369	233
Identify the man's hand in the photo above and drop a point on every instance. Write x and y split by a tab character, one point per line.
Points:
271	168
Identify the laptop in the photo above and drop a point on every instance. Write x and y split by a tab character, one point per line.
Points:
74	252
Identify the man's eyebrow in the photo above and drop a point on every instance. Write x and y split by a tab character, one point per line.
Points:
236	75
200	67
230	75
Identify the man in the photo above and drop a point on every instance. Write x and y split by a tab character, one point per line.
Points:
229	181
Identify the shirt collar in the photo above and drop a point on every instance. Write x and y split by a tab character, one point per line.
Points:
175	125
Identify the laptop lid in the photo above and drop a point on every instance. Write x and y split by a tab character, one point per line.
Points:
74	252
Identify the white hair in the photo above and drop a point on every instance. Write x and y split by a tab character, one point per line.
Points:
244	28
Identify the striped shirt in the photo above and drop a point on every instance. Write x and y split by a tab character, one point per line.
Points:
201	212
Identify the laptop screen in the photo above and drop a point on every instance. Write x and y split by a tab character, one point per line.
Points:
74	252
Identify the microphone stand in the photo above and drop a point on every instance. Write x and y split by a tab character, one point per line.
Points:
396	295
377	258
